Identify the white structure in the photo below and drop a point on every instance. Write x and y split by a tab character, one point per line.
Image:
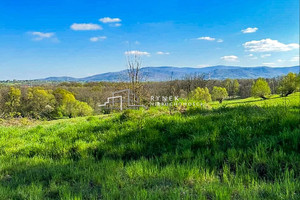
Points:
128	100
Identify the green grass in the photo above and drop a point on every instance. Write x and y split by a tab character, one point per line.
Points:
272	100
244	149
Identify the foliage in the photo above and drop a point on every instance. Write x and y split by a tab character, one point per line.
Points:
40	103
240	152
219	93
201	94
260	88
289	84
12	101
67	105
232	87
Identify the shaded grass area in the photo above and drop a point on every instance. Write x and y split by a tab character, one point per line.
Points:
241	152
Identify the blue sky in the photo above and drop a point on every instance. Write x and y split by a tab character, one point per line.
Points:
81	38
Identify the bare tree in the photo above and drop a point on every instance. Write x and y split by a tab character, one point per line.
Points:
134	64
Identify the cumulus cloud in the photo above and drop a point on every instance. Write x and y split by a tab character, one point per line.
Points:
220	40
109	20
98	38
162	53
41	35
139	53
231	58
85	27
265	55
295	59
206	38
249	30
269	45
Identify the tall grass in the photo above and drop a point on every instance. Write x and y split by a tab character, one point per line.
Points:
229	152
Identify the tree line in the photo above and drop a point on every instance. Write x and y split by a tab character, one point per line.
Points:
72	99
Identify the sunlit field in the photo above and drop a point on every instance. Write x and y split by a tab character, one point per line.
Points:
241	149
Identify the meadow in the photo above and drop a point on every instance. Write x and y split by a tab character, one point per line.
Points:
240	149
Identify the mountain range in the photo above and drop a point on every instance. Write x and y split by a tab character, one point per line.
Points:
166	73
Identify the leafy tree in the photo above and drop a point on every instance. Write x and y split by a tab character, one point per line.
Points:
232	86
12	102
260	88
40	102
201	94
67	105
288	84
236	87
219	93
82	109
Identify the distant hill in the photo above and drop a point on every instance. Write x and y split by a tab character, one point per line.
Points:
165	73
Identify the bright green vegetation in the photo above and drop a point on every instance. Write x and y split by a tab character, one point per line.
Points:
241	149
271	101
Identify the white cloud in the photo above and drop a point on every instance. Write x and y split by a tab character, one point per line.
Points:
252	57
209	39
139	53
115	25
109	20
295	59
249	30
265	55
269	45
269	64
280	60
206	38
231	58
85	27
98	38
41	35
162	53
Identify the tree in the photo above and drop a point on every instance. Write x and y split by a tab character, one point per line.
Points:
67	105
235	87
288	84
232	87
82	109
134	64
12	102
260	88
40	102
219	93
201	94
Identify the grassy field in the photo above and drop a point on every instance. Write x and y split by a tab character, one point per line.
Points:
242	149
273	100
